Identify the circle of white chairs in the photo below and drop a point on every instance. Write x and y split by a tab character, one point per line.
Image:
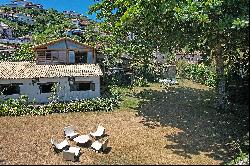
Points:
72	153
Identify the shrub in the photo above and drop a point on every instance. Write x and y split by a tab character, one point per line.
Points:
140	81
197	72
236	78
20	106
241	159
115	92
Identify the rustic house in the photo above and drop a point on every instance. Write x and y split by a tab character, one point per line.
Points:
71	14
64	51
68	63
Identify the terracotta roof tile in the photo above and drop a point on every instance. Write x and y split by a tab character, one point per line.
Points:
19	70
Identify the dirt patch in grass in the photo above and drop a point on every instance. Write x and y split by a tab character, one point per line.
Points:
169	126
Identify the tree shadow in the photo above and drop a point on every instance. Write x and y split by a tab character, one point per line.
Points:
201	127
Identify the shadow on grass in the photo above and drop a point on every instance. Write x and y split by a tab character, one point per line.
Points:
202	128
107	150
3	162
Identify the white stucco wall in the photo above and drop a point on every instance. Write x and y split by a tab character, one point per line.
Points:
33	91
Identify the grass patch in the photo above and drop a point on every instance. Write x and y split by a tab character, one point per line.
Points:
129	102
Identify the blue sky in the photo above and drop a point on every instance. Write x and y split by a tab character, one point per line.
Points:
79	6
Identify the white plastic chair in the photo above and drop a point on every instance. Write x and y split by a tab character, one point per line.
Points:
71	154
82	139
99	132
100	146
69	132
59	146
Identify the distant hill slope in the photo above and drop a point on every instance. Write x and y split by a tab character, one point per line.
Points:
49	24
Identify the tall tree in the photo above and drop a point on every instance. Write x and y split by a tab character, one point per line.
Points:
218	27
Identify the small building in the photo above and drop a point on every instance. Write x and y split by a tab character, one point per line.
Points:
36	81
23	3
5	31
84	23
126	62
193	57
20	17
31	5
64	51
7	15
71	14
76	22
17	3
13	41
74	32
65	62
6	51
159	57
25	39
190	57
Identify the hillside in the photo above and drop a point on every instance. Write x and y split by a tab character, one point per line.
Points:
48	24
38	26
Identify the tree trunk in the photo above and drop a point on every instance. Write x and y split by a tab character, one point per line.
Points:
221	90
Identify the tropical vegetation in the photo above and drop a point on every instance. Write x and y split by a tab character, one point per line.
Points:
219	29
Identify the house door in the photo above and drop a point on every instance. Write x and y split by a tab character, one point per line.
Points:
71	57
90	57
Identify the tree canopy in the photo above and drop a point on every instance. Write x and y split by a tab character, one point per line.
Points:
218	27
177	24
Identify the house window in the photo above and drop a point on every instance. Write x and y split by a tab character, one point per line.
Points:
46	87
40	53
78	57
81	57
55	55
82	86
9	89
41	56
48	55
